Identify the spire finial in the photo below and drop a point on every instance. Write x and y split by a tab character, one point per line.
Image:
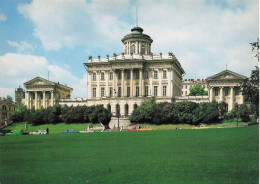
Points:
136	17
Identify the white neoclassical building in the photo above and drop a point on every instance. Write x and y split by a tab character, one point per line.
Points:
124	81
226	87
44	93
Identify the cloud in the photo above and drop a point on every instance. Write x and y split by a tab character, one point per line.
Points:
3	18
204	35
69	23
17	69
22	46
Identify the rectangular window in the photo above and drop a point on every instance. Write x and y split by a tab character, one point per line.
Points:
137	91
164	90
182	92
185	92
110	91
216	92
146	91
185	87
119	75
110	76
146	74
236	91
94	92
94	76
226	91
164	74
155	90
102	92
119	91
128	75
155	74
102	76
128	91
137	75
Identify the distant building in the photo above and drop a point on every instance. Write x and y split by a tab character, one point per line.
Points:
189	83
6	109
19	95
226	87
44	93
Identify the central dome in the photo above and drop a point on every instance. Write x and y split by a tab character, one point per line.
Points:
136	42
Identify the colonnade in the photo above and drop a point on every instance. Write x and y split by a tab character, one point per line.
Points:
37	102
221	96
124	82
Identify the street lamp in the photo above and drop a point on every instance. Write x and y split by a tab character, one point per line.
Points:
236	106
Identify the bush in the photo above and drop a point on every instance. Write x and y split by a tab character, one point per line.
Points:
244	112
98	114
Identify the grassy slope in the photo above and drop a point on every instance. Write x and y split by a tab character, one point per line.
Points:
165	156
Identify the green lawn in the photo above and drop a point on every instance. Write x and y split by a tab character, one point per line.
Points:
53	128
165	156
57	128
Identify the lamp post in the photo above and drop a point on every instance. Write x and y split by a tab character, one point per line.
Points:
117	109
236	106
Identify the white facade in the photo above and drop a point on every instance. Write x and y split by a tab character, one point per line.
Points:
137	74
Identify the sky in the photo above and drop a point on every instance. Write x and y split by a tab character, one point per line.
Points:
38	37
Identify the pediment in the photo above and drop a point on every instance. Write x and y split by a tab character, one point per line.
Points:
38	81
227	75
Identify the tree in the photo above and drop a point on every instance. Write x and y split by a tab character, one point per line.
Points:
98	114
250	87
244	112
19	113
9	99
198	90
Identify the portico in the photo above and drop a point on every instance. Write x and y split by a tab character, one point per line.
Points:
42	93
226	87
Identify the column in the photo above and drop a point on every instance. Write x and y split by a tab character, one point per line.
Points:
169	83
107	88
242	97
172	83
150	92
210	94
128	47
114	82
231	97
98	85
36	100
221	94
141	82
28	99
122	83
160	83
44	99
52	98
89	85
131	82
138	48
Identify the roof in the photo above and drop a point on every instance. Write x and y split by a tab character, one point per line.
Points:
137	33
226	74
44	82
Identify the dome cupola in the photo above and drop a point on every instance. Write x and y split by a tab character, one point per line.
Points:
136	42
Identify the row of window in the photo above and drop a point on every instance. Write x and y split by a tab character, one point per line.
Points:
128	76
226	91
186	86
132	49
117	107
137	90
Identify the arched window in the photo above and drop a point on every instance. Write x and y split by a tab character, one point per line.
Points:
126	109
132	49
135	106
4	107
109	107
143	49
